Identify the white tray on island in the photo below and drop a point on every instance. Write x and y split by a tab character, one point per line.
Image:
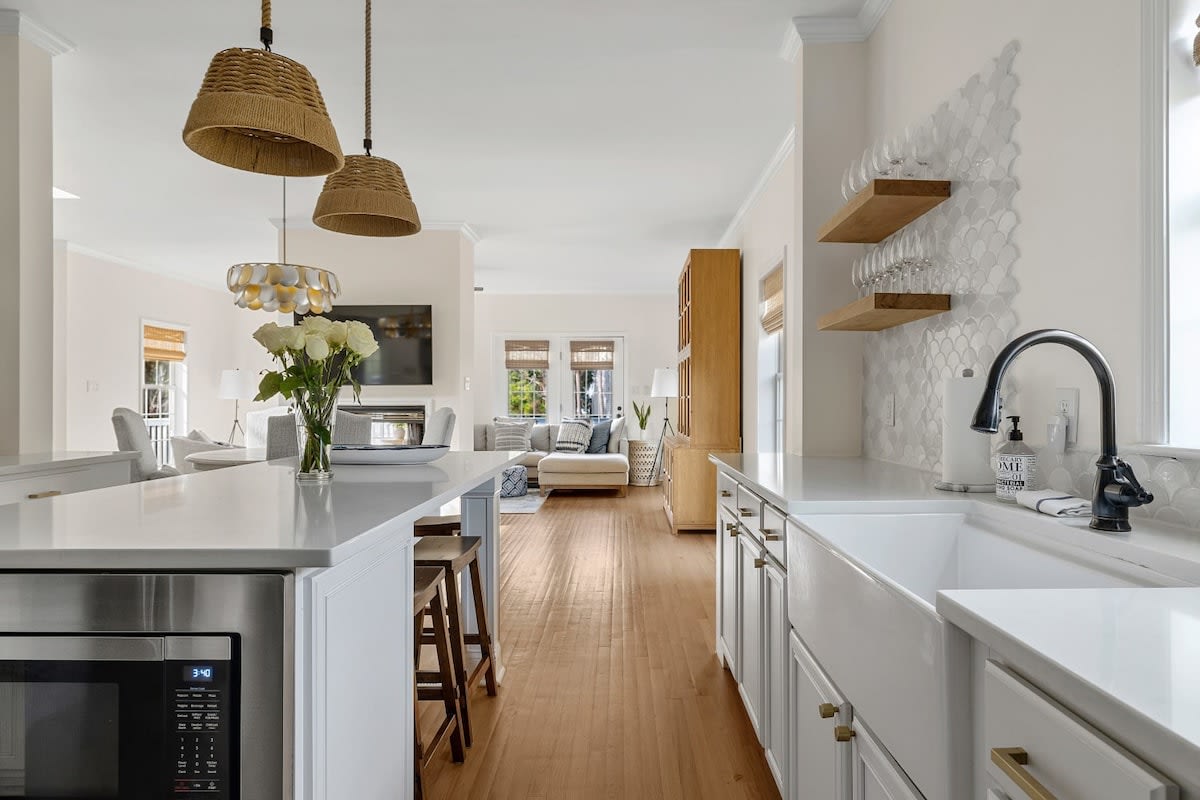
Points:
387	454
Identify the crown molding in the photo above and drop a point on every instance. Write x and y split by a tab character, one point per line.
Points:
217	285
843	29
789	49
785	149
14	23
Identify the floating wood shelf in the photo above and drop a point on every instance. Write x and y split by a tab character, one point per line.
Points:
883	310
883	208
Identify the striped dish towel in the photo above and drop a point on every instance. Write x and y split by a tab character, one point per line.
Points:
1056	504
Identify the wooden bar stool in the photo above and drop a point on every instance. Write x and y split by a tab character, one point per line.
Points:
436	685
447	525
453	554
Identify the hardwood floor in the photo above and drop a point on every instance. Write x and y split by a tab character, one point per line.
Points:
612	688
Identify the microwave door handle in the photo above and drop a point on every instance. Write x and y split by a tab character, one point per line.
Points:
81	648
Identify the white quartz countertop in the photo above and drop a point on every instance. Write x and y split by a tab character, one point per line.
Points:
835	485
1137	648
42	462
251	517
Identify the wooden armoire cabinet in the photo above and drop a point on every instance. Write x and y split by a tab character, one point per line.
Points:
710	386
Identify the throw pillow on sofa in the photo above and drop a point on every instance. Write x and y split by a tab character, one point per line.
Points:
599	440
513	434
574	436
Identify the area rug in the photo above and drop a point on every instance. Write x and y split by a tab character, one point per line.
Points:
528	504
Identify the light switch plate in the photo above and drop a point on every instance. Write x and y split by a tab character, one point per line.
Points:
1066	402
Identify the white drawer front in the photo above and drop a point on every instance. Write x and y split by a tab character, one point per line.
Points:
749	510
773	531
727	492
1062	753
50	484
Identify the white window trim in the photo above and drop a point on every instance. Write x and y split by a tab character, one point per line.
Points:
179	426
556	395
1153	430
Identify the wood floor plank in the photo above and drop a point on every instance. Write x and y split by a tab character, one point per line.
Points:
612	689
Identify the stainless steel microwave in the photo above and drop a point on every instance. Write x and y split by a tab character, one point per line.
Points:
145	687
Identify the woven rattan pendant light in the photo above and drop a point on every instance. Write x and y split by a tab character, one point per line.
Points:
261	112
368	196
280	286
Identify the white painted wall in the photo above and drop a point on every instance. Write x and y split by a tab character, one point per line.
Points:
105	306
645	321
763	235
432	268
1079	99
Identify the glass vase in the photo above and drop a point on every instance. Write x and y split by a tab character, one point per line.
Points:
314	441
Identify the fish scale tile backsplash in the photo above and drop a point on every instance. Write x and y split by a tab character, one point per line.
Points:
1175	483
970	241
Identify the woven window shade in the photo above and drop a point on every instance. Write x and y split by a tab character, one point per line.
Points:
772	304
592	355
527	354
163	344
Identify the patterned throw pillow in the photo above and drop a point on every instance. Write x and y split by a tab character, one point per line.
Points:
513	435
574	435
599	441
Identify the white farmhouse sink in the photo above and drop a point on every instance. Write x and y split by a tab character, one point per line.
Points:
862	589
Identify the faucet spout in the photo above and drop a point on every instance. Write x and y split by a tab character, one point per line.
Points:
1117	488
987	416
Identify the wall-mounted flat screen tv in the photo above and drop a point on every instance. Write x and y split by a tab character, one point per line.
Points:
405	336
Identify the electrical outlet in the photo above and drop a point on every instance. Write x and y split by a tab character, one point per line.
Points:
889	410
1066	402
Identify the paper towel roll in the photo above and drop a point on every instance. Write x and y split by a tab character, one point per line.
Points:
966	454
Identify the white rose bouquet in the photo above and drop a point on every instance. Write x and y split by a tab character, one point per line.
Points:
317	356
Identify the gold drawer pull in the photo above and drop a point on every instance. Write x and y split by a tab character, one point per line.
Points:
731	528
843	733
746	512
1012	761
769	535
759	563
826	710
44	495
726	493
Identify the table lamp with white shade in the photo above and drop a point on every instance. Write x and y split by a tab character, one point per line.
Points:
666	386
236	385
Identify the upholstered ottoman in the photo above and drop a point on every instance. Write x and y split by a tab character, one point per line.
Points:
514	482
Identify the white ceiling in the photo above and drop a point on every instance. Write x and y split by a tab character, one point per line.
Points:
588	144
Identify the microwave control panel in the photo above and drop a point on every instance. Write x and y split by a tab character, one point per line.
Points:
200	732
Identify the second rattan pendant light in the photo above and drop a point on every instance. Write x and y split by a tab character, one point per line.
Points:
264	113
368	196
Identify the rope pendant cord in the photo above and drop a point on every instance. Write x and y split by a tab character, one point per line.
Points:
265	34
366	82
285	220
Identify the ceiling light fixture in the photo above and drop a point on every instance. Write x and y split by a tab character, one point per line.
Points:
280	286
368	196
264	113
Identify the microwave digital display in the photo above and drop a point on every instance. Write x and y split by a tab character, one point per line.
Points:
199	674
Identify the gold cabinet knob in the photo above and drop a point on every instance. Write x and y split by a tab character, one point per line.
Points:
843	733
731	528
759	563
826	710
726	493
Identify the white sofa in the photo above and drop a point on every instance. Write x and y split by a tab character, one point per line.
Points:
551	470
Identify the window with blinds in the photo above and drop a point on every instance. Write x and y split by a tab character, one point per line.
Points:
772	301
527	354
592	354
163	344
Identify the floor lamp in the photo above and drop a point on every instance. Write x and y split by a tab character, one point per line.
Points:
236	385
666	386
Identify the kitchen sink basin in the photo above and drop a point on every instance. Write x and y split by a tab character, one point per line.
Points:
862	590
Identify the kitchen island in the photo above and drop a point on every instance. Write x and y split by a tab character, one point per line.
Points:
305	591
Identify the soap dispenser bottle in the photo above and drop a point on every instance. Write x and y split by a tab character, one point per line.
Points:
1016	464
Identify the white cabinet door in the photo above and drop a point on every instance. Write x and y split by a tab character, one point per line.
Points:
876	776
751	560
818	765
775	671
727	590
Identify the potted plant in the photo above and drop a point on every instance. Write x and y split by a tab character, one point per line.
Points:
643	417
